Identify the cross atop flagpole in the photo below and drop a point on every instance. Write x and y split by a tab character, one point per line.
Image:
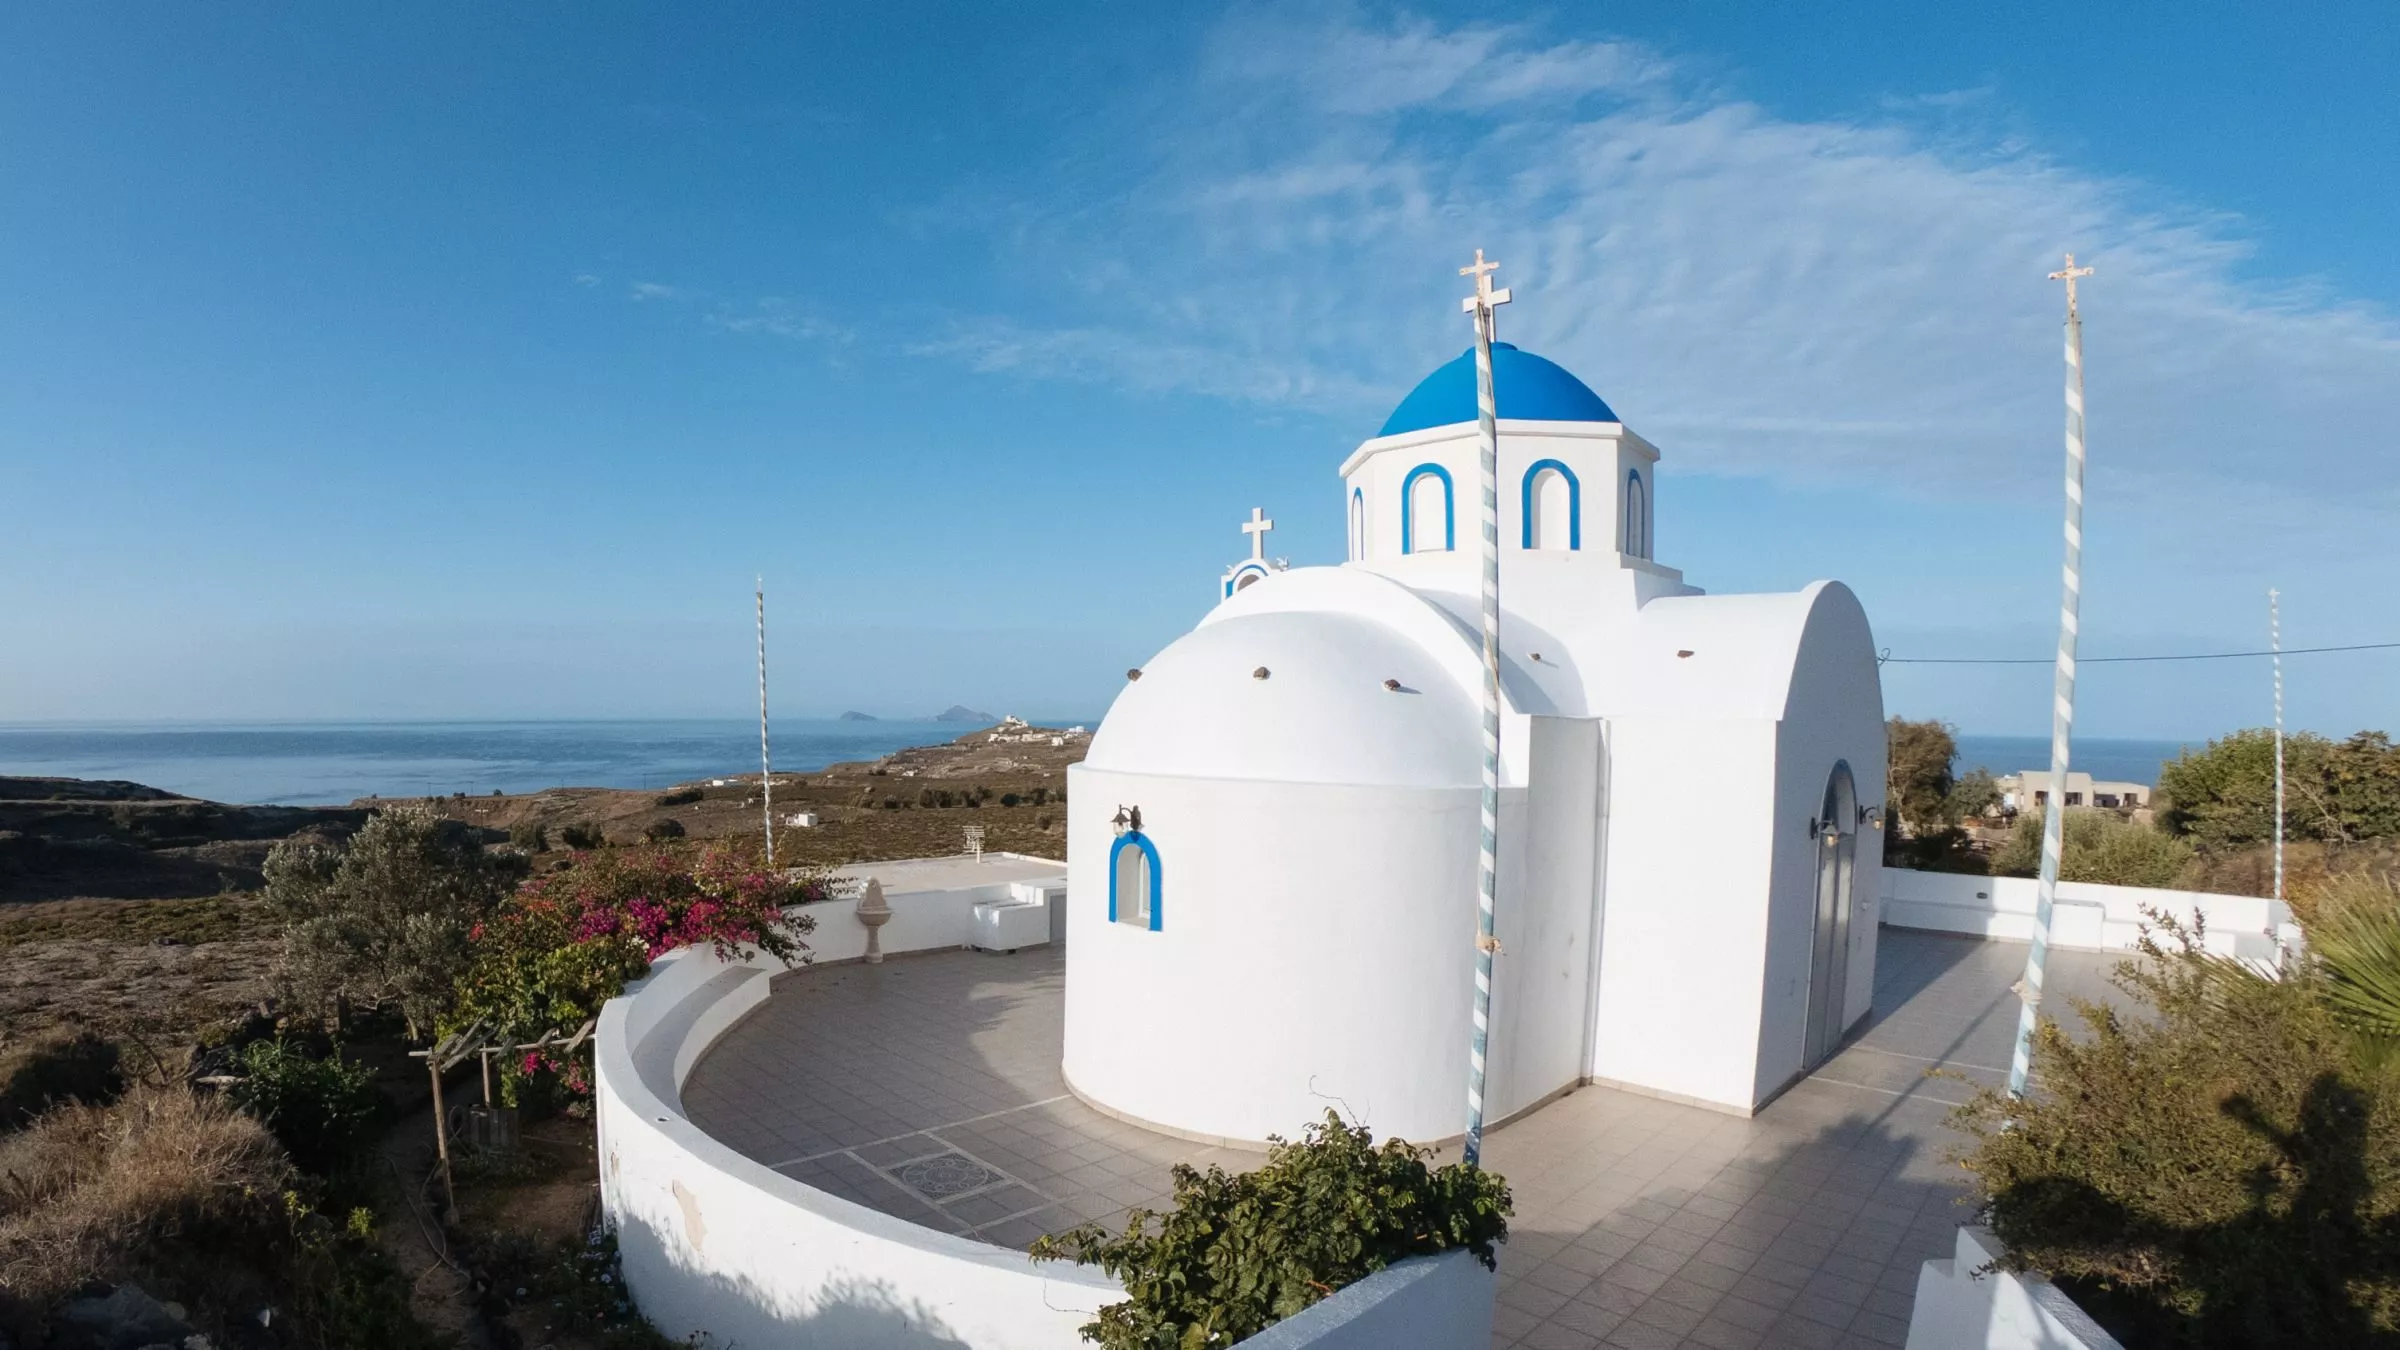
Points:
1482	305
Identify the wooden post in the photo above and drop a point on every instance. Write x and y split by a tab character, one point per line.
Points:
441	1130
485	1056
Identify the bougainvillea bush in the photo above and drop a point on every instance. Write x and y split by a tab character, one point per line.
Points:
566	942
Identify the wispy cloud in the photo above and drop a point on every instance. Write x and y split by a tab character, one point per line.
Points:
1767	295
765	316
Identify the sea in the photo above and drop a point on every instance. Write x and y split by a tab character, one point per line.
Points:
2113	761
335	763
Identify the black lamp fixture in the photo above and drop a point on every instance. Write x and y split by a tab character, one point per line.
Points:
1128	820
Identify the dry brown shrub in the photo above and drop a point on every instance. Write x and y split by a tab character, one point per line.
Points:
98	1193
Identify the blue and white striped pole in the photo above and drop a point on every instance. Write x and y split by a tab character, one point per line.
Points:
2062	703
1487	410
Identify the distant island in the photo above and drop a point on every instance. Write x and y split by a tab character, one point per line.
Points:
856	717
960	712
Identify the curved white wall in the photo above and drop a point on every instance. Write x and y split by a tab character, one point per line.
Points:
1337	974
716	1243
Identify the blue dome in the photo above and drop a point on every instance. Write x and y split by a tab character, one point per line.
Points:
1529	388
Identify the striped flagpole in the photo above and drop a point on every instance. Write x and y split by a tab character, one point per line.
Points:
2275	643
1487	410
2062	709
766	778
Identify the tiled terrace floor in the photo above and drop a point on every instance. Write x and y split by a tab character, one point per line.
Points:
929	1088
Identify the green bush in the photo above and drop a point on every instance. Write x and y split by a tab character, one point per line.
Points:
382	920
2220	1169
322	1110
663	829
681	797
1241	1251
1011	799
2101	846
80	1068
529	836
580	836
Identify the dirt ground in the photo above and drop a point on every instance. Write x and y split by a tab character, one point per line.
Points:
867	810
120	914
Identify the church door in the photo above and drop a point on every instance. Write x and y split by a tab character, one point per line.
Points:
1829	953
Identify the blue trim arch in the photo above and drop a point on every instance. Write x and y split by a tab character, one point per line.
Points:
1358	524
1574	502
1135	839
1408	508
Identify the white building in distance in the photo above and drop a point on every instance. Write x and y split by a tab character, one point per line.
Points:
1273	841
2029	790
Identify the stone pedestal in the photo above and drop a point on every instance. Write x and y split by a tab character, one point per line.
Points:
874	911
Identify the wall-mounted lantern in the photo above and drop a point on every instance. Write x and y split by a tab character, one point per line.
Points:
1128	820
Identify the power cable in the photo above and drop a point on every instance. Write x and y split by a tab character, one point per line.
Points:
1885	657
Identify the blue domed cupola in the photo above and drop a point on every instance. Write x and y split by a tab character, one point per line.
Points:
1529	388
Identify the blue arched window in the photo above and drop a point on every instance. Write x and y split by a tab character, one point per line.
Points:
1410	526
1358	524
1637	515
1540	523
1133	891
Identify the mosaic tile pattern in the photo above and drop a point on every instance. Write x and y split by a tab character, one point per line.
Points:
1640	1223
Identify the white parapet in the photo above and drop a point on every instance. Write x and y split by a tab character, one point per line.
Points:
718	1244
1965	1304
2088	915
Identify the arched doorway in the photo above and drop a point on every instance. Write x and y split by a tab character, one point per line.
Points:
1829	950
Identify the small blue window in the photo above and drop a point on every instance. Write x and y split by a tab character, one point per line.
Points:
1133	894
1416	533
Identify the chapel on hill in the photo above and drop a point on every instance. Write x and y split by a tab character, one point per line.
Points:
1273	841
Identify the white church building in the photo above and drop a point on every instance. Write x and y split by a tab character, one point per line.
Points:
1273	841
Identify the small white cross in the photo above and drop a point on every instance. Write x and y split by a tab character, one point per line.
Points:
2068	276
1481	302
1256	527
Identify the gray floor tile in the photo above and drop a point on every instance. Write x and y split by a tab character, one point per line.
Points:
1803	1226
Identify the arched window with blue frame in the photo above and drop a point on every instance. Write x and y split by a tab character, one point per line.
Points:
1552	509
1358	524
1637	515
1419	499
1133	882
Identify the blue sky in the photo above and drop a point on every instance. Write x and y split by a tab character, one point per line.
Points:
469	362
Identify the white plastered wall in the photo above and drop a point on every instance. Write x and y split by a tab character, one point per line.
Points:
1683	916
1541	988
1835	715
1315	951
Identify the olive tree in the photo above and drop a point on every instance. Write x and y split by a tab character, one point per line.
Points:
385	919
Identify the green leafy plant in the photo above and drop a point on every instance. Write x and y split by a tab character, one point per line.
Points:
322	1109
580	836
2220	1168
577	1288
1241	1251
382	920
663	829
2101	847
529	836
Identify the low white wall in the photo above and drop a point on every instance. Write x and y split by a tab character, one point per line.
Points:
1431	1303
922	920
2088	915
714	1242
1960	1309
